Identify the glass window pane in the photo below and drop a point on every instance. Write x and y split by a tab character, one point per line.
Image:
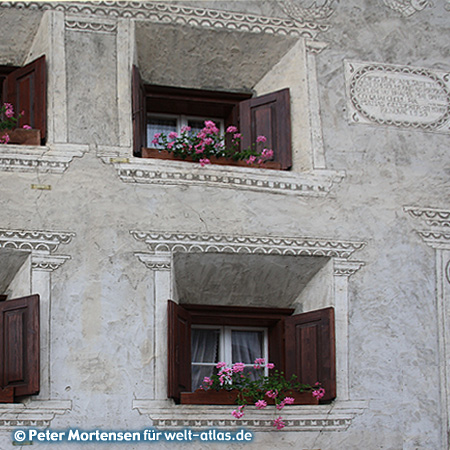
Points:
200	372
196	126
205	345
159	125
246	346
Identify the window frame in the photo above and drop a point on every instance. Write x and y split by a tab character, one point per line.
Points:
319	324
267	115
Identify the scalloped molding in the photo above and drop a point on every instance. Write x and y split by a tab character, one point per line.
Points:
32	414
165	12
220	243
178	173
52	159
34	241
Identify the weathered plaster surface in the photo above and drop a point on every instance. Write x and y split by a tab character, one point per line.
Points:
104	354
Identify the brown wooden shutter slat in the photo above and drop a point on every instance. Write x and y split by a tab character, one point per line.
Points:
25	88
179	350
268	115
19	345
139	112
310	349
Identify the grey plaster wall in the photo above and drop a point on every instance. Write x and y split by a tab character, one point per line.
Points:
103	298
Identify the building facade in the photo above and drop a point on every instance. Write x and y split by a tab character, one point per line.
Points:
354	98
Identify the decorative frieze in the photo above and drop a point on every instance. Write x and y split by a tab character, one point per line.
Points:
192	242
345	268
166	12
32	414
54	159
35	241
336	417
47	263
95	25
156	262
430	216
399	96
179	173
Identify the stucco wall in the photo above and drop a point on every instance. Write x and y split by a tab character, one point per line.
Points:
104	349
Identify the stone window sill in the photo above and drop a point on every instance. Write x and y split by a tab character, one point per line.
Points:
316	183
53	158
337	416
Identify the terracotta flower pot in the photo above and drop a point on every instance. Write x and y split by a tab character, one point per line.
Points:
224	397
164	154
22	136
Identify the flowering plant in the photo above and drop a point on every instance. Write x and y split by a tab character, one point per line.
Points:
260	389
8	121
210	142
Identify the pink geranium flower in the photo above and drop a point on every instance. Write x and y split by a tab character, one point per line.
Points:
251	159
156	138
279	423
238	412
270	366
238	367
318	393
272	394
185	129
26	127
289	401
204	161
173	135
221	364
261	404
261	139
232	129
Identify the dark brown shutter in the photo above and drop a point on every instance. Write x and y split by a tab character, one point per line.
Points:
310	349
179	350
25	88
268	115
19	345
139	113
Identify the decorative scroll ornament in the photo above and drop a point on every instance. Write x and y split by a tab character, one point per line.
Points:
313	13
407	7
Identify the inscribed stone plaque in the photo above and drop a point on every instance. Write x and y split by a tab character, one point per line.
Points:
400	96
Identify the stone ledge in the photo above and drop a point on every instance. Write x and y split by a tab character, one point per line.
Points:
165	414
316	183
36	413
50	159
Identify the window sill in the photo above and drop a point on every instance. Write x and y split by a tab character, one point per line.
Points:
337	416
316	183
53	158
34	413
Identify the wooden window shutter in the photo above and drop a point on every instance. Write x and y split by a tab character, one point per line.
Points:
310	349
19	347
138	112
25	89
179	350
270	116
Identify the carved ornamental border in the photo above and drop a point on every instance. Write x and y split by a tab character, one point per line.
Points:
336	417
163	242
179	173
40	243
52	159
165	12
33	414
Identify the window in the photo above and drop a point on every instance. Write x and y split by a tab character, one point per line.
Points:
267	115
25	89
301	344
19	348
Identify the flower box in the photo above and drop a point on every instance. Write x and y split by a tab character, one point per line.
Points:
22	136
224	397
7	395
164	154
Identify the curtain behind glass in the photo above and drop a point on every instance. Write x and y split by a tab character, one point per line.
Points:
246	346
205	354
